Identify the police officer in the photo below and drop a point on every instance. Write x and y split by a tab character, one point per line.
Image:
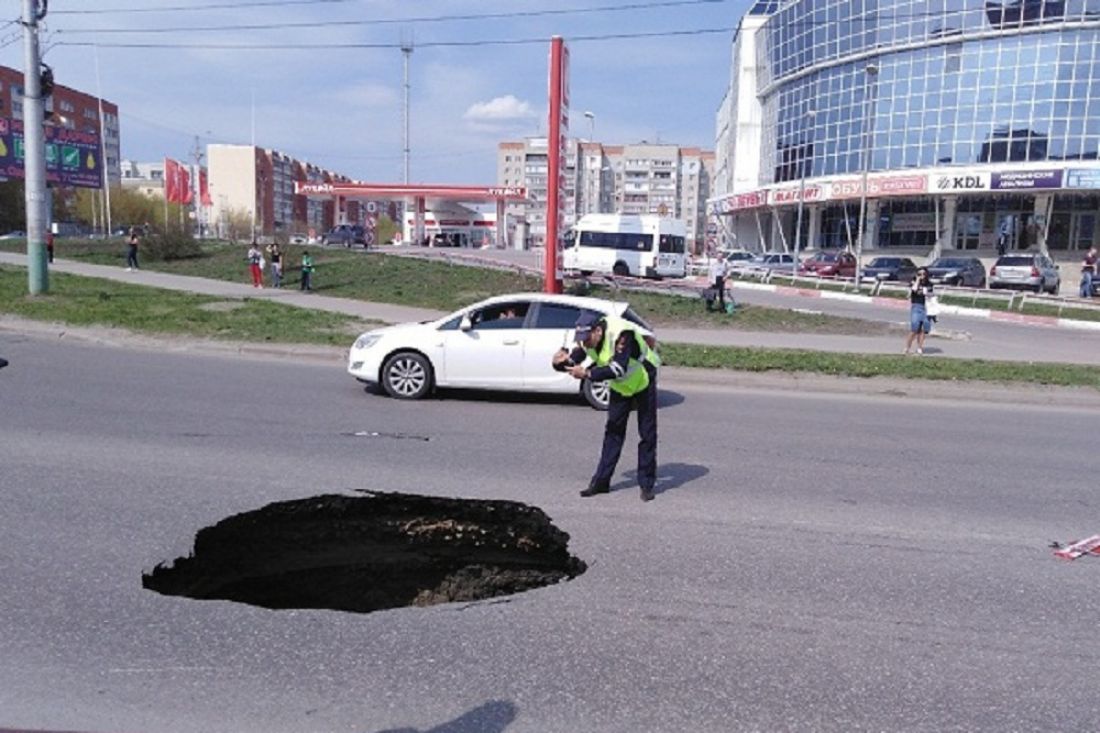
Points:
621	357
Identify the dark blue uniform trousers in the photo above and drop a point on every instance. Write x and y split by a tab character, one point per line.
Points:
615	433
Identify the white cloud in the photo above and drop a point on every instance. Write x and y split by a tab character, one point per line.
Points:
499	109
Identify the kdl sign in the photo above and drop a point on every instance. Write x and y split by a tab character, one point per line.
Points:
963	182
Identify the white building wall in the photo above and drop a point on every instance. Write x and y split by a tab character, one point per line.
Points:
232	170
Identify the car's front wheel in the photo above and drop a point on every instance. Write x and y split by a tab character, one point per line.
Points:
407	376
597	394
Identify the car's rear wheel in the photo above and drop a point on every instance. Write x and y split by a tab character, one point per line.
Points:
597	394
620	269
407	376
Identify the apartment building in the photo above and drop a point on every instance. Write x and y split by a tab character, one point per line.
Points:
258	182
70	109
644	178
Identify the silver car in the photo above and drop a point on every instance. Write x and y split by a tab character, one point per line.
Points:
773	262
1026	271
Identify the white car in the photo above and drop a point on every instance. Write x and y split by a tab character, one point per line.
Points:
503	343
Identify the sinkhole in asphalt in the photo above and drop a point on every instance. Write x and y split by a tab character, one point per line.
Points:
371	552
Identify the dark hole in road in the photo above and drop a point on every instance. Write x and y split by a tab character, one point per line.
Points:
367	553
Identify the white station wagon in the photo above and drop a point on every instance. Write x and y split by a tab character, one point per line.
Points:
503	343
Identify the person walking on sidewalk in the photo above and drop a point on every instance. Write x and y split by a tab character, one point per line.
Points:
621	357
256	265
920	290
49	246
307	271
718	271
1088	273
132	250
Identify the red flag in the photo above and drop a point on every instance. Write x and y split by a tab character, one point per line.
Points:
204	189
171	181
186	194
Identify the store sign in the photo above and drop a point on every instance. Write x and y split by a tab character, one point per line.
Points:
962	181
791	195
739	201
884	186
1083	178
919	221
308	188
1014	180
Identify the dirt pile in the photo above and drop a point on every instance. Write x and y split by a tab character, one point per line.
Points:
370	552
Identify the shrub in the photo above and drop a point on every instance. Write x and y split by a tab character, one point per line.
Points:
171	245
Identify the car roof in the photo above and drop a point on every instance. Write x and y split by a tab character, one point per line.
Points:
577	301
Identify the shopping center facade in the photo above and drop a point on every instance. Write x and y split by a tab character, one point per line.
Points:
965	124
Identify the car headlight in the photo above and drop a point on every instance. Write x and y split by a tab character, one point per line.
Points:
367	340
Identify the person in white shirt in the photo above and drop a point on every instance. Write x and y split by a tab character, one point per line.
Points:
718	272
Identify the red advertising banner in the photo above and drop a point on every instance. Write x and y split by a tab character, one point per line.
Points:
791	195
177	183
204	189
739	201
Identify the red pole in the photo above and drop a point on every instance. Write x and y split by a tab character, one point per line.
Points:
553	156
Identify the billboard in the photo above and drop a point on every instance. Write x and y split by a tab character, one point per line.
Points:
1083	178
1015	180
73	158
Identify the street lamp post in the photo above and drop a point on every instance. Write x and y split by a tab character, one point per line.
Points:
808	122
868	89
591	117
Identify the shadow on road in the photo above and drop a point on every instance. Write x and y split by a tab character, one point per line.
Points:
665	398
669	476
492	717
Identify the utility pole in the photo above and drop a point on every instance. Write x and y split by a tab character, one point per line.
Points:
103	150
406	51
34	147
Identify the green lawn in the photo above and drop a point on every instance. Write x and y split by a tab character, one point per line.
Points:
81	301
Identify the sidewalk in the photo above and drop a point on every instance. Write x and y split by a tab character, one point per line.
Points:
945	342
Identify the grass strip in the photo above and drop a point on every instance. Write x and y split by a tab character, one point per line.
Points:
878	365
83	301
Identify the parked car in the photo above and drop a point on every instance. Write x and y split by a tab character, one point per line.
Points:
503	343
1026	271
772	262
959	271
345	234
829	264
897	269
16	234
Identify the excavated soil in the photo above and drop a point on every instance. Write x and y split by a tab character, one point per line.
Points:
371	552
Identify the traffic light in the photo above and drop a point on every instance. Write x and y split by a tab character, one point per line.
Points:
45	81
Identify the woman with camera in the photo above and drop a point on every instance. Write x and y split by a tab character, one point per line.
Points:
920	292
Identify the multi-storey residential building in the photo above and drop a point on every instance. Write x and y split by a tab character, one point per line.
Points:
72	109
632	179
972	124
252	181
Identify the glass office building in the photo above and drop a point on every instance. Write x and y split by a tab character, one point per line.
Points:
975	122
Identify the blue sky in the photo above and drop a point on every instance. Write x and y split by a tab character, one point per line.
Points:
341	107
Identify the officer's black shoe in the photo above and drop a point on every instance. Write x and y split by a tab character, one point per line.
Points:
647	494
594	489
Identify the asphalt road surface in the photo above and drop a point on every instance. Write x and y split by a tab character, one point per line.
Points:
812	561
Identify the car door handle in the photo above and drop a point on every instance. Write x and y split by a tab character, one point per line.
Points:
511	342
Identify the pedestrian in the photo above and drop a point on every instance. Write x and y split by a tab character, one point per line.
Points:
255	265
619	355
49	246
132	250
1088	273
276	265
920	290
718	270
307	271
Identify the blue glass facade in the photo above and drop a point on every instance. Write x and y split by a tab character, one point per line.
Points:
958	82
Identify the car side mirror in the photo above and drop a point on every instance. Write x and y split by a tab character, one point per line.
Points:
466	324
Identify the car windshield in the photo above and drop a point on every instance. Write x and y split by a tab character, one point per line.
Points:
885	262
1017	261
825	257
942	263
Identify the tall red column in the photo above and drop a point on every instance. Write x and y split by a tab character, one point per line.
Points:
558	127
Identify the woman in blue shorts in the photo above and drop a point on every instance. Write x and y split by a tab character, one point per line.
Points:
920	289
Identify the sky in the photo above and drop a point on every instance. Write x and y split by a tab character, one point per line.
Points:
229	72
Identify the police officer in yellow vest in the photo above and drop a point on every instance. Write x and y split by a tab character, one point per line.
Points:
620	356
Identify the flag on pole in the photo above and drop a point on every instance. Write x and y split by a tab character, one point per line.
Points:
177	183
204	189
